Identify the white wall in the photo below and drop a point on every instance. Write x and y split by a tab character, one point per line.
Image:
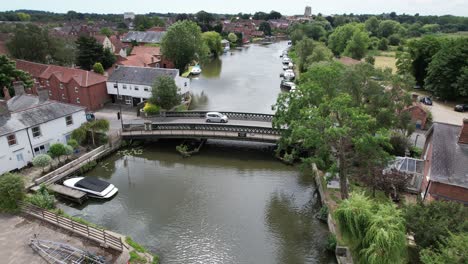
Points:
130	91
53	131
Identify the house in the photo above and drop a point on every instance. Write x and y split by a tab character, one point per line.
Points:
146	56
112	43
75	31
446	163
144	37
29	124
129	15
68	85
132	85
419	114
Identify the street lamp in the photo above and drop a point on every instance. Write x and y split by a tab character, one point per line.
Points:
120	105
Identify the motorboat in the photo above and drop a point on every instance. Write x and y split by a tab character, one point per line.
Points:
285	67
289	75
196	70
94	187
288	85
291	65
286	60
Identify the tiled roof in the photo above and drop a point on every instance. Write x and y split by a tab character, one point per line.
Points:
140	75
144	37
449	162
142	56
64	74
28	111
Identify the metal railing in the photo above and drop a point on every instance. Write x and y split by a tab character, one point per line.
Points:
202	127
101	236
230	115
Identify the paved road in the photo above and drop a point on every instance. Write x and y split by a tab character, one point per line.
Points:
232	122
444	113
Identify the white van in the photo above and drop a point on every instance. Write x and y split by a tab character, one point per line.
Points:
216	117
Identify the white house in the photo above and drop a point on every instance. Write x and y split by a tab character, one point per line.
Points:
30	124
133	84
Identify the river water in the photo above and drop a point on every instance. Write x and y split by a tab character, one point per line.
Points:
231	203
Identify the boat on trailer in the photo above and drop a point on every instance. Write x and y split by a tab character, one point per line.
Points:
94	187
60	253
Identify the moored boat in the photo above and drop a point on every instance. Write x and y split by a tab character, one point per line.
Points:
94	187
196	70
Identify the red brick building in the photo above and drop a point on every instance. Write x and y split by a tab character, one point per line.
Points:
68	85
446	163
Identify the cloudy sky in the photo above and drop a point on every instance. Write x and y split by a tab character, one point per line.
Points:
288	7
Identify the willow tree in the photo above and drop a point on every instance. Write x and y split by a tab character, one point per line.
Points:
375	231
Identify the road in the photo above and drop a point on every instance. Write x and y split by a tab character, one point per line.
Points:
175	120
444	113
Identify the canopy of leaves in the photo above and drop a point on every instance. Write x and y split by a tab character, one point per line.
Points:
56	150
9	73
338	40
11	191
388	27
73	143
183	43
453	250
106	31
79	134
89	52
265	28
213	40
358	44
372	25
421	52
232	37
41	160
97	68
165	93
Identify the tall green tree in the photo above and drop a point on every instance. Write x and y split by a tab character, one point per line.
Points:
106	31
9	73
372	25
338	40
183	43
97	126
11	191
89	52
29	42
165	93
213	40
388	27
422	52
265	28
304	49
452	250
358	44
108	58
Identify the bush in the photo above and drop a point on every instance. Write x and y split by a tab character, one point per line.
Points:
88	166
383	44
323	213
56	150
98	68
331	243
399	145
11	191
42	198
79	134
41	160
370	60
151	109
73	143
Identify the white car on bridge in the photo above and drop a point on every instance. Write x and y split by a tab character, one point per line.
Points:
216	117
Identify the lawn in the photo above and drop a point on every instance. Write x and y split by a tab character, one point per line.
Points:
384	61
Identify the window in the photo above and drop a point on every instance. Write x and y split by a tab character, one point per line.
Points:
76	89
146	89
63	96
136	88
12	140
119	97
115	85
19	157
61	86
124	86
50	93
128	100
47	82
78	100
42	149
36	131
69	120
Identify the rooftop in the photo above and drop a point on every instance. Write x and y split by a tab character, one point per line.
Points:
145	37
140	75
449	157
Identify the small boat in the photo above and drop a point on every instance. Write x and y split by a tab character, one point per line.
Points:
288	85
56	252
196	70
92	186
289	75
291	65
286	60
285	67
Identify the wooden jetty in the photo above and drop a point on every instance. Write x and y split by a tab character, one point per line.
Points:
69	193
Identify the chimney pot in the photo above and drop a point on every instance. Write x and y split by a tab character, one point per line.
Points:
43	95
19	88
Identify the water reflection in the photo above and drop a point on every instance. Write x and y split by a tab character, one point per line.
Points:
212	68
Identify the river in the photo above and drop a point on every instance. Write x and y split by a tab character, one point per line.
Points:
231	203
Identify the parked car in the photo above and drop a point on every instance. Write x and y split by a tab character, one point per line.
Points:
461	107
426	100
215	117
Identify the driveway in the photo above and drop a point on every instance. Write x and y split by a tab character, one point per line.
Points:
444	113
109	112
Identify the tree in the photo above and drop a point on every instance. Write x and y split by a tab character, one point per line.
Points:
304	49
383	44
42	160
79	134
11	191
316	31
204	17
432	223
57	150
388	27
339	39
265	28
89	52
394	40
376	231
421	52
260	16
447	70
98	125
232	38
165	93
9	73
320	53
183	43
213	40
358	45
452	250
97	68
29	42
108	58
23	16
274	15
372	25
143	22
73	143
106	31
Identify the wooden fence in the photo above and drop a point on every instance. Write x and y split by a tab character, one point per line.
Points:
101	236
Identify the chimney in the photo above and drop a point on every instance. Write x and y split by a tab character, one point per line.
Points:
6	94
414	97
152	59
19	88
43	95
4	111
463	138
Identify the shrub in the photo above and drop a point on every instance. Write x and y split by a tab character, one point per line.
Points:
331	243
56	150
41	160
11	191
323	213
79	134
151	109
98	68
88	166
370	60
452	250
73	143
42	198
399	145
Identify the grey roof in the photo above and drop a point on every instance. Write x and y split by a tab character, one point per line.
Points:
143	36
140	75
29	112
449	158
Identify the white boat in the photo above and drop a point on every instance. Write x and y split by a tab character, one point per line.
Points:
291	65
286	60
289	75
195	70
92	186
285	67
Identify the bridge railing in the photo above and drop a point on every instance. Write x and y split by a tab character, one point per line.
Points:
230	115
202	127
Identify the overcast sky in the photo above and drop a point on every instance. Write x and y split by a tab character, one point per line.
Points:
288	7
